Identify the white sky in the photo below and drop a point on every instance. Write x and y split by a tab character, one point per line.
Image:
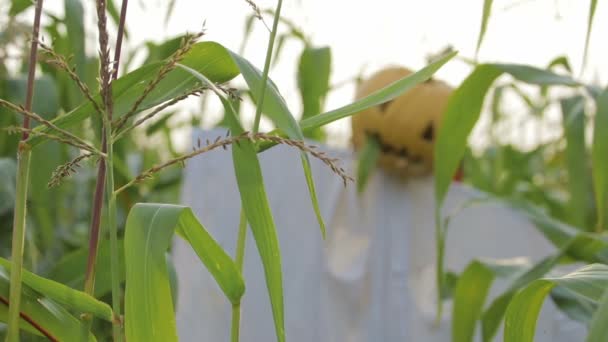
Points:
372	34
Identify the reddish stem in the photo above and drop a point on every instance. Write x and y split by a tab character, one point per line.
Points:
32	68
32	322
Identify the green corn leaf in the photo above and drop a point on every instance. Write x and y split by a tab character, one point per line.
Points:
582	246
599	154
256	207
464	109
579	185
368	159
52	318
209	58
469	296
575	307
381	96
18	6
485	16
598	329
592	7
314	71
589	282
74	22
68	297
275	108
493	315
473	287
149	310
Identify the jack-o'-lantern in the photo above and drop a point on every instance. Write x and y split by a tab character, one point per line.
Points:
406	127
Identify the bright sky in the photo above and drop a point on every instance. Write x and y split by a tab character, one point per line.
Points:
372	34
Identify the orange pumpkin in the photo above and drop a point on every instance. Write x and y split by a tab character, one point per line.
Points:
405	127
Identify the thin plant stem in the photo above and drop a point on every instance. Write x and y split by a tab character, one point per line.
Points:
440	248
23	171
273	35
105	176
120	34
240	257
114	257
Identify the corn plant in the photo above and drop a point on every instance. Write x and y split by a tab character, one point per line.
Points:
576	226
47	307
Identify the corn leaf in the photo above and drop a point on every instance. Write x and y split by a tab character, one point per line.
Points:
579	185
149	310
276	109
379	97
592	7
469	296
598	329
485	16
599	154
209	58
589	282
463	111
256	207
367	163
314	70
68	297
43	312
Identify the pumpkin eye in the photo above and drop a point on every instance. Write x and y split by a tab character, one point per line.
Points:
385	105
386	148
416	159
429	132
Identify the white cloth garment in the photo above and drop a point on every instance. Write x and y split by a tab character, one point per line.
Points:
371	280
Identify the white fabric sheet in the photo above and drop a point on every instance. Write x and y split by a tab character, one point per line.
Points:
372	279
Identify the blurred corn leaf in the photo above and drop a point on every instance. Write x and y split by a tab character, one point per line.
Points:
149	310
314	71
575	307
592	7
8	170
74	24
492	316
463	111
366	164
600	158
18	6
469	296
381	96
598	329
589	282
485	16
579	185
473	287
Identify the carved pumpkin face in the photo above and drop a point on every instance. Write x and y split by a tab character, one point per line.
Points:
405	127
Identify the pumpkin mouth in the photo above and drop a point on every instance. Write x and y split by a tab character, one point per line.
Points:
396	151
